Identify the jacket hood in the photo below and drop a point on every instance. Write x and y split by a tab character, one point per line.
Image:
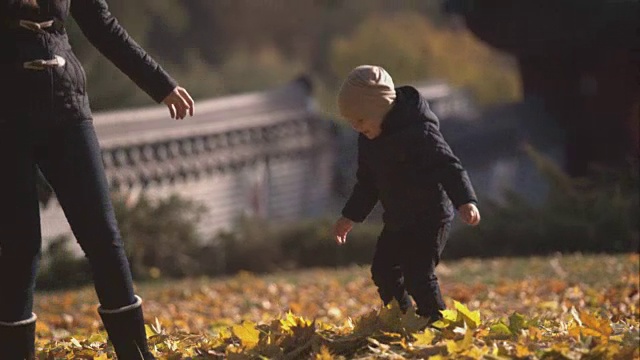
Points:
409	108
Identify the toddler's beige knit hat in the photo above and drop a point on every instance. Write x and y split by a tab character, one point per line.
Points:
367	93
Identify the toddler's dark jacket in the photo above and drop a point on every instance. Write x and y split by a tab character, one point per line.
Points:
409	168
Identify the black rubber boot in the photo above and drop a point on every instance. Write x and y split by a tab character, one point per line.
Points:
430	311
405	302
431	316
125	327
17	339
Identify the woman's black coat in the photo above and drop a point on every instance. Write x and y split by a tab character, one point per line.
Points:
57	95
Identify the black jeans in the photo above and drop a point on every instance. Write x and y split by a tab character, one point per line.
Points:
404	263
69	157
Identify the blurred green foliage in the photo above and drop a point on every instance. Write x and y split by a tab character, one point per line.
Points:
161	235
221	47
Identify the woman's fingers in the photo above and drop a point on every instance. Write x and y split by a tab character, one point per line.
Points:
172	110
472	218
477	218
341	239
183	105
188	100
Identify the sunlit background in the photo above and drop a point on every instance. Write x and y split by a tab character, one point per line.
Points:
527	108
539	100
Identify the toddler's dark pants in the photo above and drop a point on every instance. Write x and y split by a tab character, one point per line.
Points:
69	157
404	264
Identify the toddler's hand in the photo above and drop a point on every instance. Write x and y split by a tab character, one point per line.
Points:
470	214
341	228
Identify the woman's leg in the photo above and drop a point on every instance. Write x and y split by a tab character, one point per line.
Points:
72	163
19	243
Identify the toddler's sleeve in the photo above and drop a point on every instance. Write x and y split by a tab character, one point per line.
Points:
441	163
364	195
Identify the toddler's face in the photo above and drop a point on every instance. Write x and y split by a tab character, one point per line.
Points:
368	127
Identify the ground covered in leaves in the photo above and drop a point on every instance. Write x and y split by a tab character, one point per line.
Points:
559	307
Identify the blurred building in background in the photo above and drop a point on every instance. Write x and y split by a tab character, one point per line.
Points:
266	154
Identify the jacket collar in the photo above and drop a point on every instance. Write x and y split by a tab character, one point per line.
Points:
404	112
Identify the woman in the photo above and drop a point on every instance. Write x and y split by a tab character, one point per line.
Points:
46	124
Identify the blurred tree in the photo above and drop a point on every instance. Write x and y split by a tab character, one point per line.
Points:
246	70
222	46
453	55
582	65
298	29
220	28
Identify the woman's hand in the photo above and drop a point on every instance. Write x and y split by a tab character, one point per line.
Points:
341	229
470	214
179	103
